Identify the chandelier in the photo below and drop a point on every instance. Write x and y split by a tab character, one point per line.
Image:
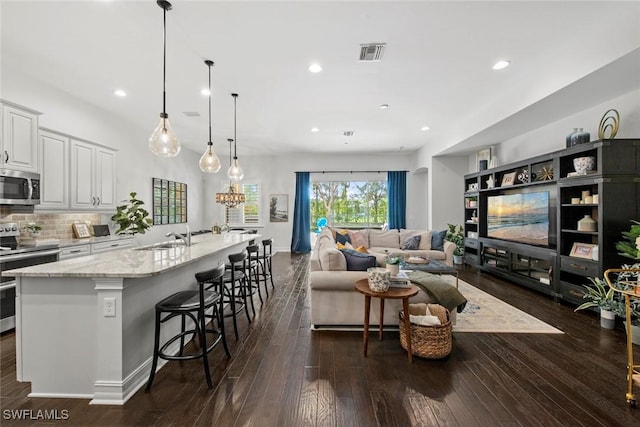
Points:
232	198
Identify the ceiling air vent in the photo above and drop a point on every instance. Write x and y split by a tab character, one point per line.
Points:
191	113
371	51
348	133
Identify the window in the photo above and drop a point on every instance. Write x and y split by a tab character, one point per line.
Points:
349	204
248	213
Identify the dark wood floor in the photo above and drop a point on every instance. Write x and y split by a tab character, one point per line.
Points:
283	374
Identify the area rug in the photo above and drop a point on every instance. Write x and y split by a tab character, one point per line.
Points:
486	313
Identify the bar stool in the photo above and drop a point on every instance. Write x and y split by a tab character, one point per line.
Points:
236	280
264	258
192	304
253	267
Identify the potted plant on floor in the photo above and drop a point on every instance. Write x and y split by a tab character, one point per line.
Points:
455	234
602	296
131	217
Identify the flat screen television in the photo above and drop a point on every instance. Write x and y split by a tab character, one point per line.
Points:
522	217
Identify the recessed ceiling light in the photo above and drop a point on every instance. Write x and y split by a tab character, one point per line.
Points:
500	65
424	128
315	68
384	106
120	93
205	92
315	130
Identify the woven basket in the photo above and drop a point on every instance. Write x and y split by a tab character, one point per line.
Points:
430	342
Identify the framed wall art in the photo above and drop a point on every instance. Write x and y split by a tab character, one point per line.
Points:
169	202
278	208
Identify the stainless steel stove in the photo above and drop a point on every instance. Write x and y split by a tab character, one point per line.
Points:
13	255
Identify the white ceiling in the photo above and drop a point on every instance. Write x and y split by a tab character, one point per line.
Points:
436	69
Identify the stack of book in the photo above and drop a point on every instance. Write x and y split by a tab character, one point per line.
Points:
401	280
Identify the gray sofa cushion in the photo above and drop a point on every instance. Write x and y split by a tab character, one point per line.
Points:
387	239
412	243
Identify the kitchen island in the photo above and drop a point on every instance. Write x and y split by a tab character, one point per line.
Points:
84	326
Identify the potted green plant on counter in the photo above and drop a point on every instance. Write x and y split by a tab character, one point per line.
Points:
131	217
33	229
455	234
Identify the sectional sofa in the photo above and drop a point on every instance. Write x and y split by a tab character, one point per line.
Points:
334	301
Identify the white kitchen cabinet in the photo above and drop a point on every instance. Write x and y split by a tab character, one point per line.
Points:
19	138
74	251
111	245
54	170
93	176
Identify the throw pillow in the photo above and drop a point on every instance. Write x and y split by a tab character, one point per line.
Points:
345	246
343	238
357	261
437	240
362	249
412	243
358	238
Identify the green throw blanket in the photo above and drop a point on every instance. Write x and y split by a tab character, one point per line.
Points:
440	290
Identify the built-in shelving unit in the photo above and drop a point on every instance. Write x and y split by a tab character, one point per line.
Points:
609	194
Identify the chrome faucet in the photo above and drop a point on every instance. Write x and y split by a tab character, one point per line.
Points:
186	238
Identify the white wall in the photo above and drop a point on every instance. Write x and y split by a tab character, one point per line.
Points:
136	166
552	136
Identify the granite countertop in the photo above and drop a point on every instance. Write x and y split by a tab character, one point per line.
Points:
135	262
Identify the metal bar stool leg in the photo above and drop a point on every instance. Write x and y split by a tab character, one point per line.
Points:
156	346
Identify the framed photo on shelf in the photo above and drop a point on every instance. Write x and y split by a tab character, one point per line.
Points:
80	230
508	179
582	250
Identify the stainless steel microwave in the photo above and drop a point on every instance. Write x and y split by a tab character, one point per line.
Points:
19	188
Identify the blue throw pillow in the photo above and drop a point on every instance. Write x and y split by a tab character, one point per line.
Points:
343	238
412	243
357	261
437	240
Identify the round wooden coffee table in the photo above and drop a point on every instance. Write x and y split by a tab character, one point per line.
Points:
404	294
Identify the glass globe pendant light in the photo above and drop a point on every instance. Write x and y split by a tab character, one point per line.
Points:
235	172
163	142
209	162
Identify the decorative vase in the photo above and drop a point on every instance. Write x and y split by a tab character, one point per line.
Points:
378	279
587	224
457	259
580	137
584	164
607	319
394	269
569	137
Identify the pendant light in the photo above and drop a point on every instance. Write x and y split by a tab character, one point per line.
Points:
232	197
163	142
235	172
209	162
